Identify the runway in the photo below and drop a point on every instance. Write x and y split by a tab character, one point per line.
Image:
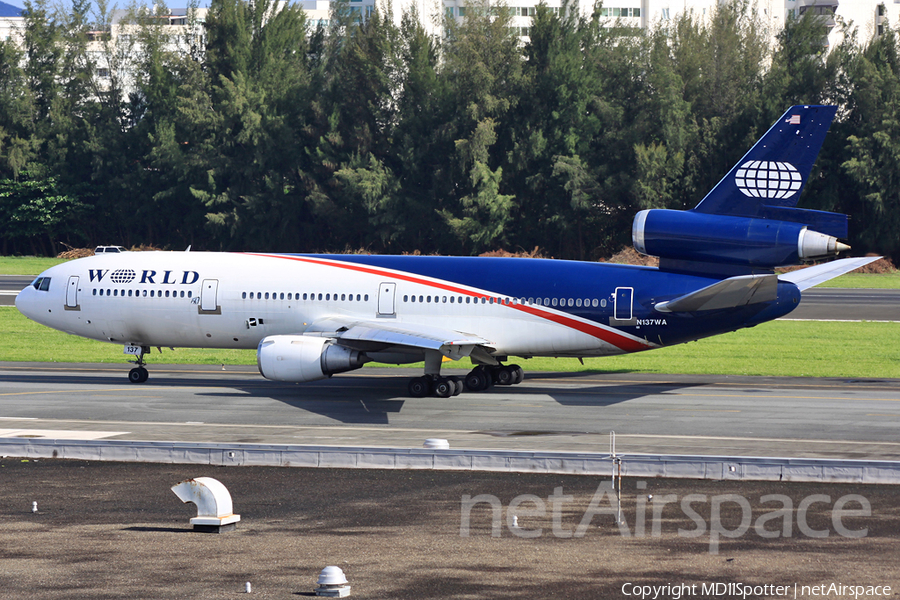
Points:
10	285
667	414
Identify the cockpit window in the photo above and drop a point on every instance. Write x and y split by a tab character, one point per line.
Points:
41	283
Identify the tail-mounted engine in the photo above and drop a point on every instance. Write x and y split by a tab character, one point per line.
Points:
297	358
762	243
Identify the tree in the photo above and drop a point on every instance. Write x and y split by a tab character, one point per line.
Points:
873	147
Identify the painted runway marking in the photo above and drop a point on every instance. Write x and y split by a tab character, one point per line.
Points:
61	434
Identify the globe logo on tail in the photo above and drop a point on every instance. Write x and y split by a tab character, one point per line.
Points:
768	179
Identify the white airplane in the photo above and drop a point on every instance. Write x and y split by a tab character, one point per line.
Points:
311	316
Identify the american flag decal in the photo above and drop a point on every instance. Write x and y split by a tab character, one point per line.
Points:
794	120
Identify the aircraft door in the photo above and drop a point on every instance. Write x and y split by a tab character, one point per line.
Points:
209	300
624	296
72	293
386	293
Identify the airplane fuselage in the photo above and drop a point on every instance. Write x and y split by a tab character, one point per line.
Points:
521	307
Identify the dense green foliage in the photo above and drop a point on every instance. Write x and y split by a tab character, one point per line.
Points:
267	133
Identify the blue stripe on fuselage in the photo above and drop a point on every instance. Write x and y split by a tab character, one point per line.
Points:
548	278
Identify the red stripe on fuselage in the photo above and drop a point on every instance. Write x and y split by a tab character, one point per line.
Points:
610	336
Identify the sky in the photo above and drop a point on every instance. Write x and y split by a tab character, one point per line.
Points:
118	3
6	5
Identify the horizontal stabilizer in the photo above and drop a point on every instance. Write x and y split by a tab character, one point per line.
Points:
812	276
729	293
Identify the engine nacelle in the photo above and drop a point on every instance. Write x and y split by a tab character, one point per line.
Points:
701	237
297	358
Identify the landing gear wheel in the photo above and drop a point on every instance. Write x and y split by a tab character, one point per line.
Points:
138	375
517	373
419	387
505	376
444	388
458	386
478	379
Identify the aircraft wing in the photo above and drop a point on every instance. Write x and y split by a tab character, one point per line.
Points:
728	293
812	276
366	333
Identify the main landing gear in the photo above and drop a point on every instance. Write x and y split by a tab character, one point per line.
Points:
478	379
139	374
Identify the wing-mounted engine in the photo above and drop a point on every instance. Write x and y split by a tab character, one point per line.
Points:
757	243
297	358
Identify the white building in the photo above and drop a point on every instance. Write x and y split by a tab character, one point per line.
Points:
11	22
869	16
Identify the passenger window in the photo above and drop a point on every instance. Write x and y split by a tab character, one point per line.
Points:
366	298
115	292
594	303
578	302
282	295
95	291
444	299
343	297
320	297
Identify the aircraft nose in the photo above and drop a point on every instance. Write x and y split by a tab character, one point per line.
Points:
25	302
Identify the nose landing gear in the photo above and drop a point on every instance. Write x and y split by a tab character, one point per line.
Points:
139	374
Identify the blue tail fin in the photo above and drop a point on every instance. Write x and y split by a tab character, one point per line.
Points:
749	222
767	181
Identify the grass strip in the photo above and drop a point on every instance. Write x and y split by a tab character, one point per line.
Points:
780	348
